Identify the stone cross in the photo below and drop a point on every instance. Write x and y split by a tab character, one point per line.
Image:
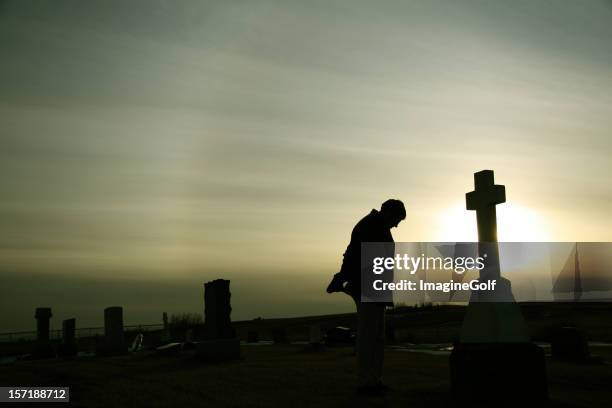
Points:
483	199
492	316
494	358
113	330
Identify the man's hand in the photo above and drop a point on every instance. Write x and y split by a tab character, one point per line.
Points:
337	284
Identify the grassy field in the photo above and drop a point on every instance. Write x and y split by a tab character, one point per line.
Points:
280	375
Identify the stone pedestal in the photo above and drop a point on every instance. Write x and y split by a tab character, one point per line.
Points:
494	317
43	346
68	348
498	372
219	350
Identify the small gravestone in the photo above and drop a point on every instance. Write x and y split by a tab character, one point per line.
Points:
68	348
494	360
114	339
315	340
569	343
315	334
43	346
252	336
165	336
220	341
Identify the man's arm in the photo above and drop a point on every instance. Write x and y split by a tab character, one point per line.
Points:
340	278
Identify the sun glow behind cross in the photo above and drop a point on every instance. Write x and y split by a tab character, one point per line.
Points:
515	223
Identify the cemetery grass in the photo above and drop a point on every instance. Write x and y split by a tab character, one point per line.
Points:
280	375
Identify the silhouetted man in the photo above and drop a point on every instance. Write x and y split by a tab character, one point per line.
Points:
374	227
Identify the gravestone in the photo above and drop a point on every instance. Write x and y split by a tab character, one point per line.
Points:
217	310
68	348
494	360
315	334
220	341
43	346
165	336
113	331
315	339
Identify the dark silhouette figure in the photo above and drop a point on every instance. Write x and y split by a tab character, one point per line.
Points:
374	227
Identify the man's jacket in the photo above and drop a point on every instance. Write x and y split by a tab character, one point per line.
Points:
370	228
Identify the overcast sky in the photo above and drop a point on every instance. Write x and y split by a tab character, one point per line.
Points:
150	146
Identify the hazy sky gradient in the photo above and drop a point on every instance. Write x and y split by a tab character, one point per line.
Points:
150	146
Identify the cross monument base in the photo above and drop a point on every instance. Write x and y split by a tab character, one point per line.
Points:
498	372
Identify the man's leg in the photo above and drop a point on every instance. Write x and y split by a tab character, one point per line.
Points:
370	343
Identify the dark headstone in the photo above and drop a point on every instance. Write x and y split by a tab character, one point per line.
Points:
113	331
68	348
165	336
43	346
217	310
569	343
221	343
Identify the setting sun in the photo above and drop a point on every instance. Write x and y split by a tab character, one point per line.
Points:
514	223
